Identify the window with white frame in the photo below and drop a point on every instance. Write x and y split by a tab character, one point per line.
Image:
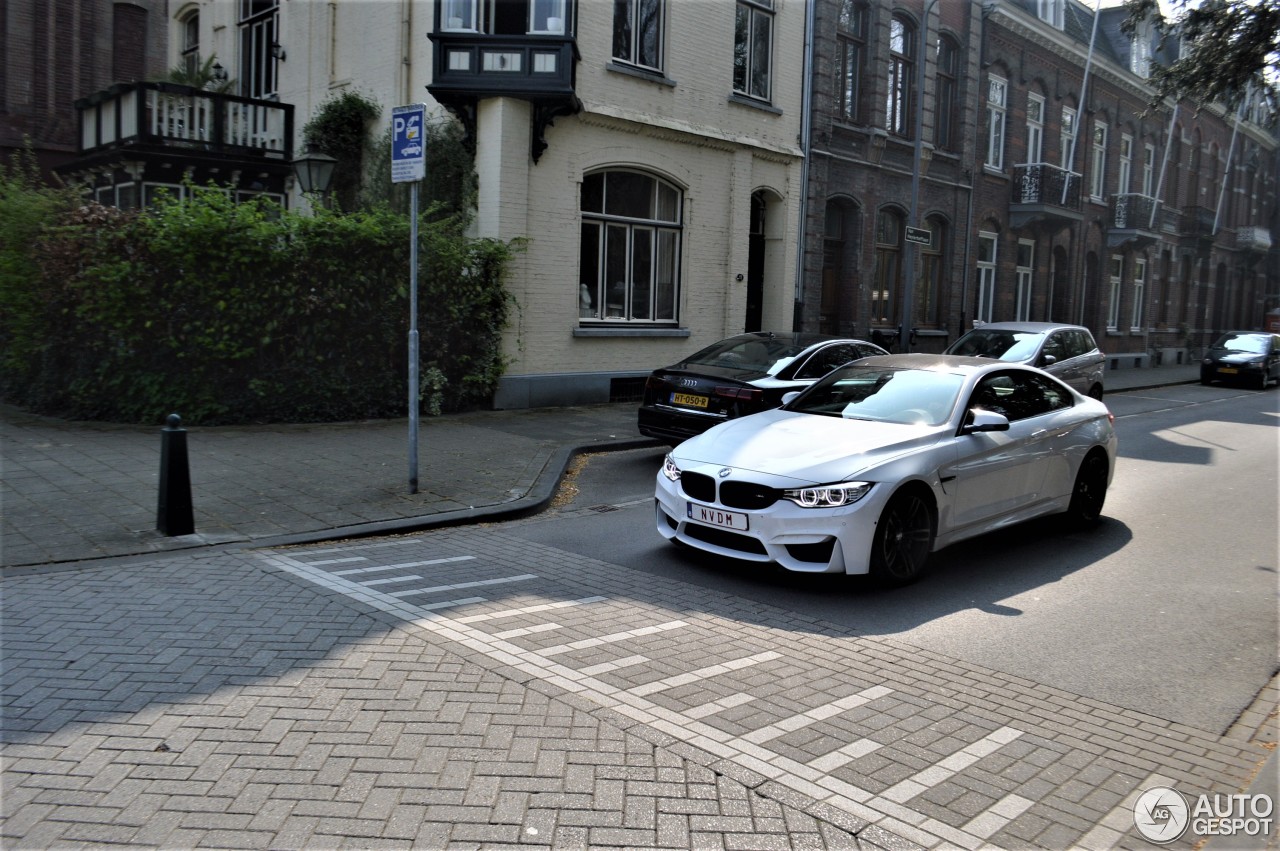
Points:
1023	277
997	103
637	33
460	15
258	48
1113	301
1035	127
901	77
1126	164
1098	163
1139	292
1148	170
1068	140
1051	12
753	48
1140	49
629	268
851	47
986	277
189	27
547	17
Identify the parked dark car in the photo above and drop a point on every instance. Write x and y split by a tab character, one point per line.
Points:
1067	352
1248	357
737	376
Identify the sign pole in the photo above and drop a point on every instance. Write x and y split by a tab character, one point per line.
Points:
413	337
409	165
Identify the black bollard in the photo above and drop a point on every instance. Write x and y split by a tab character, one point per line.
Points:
173	512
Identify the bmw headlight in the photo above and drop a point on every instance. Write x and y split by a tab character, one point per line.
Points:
828	496
670	470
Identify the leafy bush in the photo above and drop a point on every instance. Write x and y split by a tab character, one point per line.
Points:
233	313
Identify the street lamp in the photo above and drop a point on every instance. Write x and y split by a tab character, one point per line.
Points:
313	170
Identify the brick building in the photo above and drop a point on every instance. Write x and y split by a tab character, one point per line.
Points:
53	52
682	171
1049	188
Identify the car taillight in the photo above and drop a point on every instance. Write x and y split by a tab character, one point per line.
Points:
747	394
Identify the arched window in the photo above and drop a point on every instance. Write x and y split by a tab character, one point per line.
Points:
189	32
928	292
948	95
888	275
851	41
902	46
629	268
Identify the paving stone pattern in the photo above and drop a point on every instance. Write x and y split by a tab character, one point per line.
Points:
468	689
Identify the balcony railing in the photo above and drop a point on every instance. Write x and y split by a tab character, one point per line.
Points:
1044	192
1132	211
1253	238
169	117
1197	223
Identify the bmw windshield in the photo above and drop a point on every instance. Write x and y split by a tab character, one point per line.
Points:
893	395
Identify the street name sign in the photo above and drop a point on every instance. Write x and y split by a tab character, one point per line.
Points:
920	236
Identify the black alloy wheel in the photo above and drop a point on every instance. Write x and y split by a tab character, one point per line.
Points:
903	539
1090	491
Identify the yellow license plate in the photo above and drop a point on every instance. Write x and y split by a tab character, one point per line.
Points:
688	400
1229	370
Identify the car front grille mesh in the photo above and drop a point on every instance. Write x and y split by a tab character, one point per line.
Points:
748	496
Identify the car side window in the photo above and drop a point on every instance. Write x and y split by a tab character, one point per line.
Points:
1083	342
826	359
1019	395
1056	347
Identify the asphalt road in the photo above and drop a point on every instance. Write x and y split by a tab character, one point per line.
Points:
1168	608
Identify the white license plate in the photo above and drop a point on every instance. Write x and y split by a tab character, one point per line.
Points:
735	520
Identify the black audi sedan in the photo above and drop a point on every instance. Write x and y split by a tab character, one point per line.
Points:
737	376
1248	357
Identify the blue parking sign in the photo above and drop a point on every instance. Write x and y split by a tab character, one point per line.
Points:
408	143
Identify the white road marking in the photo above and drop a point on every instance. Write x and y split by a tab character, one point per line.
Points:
530	610
481	583
359	570
812	779
609	639
821	713
720	705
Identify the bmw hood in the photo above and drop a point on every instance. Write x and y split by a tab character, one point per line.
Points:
804	447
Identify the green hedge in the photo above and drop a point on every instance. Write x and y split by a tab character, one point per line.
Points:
235	313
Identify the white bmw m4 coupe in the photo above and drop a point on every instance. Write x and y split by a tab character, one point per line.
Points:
885	460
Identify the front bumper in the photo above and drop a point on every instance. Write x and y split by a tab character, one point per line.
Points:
805	540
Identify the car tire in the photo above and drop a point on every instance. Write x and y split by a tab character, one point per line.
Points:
1264	381
903	538
1095	392
1089	493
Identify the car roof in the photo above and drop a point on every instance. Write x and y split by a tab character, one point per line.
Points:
1040	327
958	364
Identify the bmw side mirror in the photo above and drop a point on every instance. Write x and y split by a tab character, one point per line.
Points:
979	420
788	398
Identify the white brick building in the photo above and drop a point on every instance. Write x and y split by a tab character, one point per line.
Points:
676	122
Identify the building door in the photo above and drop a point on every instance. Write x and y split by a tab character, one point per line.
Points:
755	265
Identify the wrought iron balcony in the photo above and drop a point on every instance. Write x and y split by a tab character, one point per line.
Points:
1134	218
1253	239
1044	194
174	119
1196	229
